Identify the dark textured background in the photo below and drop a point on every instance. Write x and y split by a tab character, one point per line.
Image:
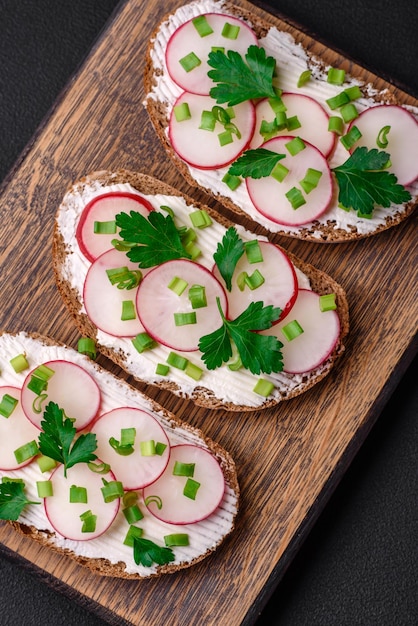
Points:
359	565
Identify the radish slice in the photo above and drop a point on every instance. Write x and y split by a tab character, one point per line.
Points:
268	194
402	138
134	470
16	430
320	334
186	40
157	304
311	115
104	208
176	508
280	283
104	301
65	515
202	148
71	387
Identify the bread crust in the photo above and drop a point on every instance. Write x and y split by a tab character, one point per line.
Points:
318	231
320	282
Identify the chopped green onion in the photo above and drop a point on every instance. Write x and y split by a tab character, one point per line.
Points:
7	405
279	172
335	76
202	25
167	209
197	296
43	371
217	49
230	31
191	488
143	342
188	236
132	514
189	63
349	139
38	402
133	533
19	363
124	278
353	92
78	494
295	145
37	385
183	319
337	101
235	365
310	180
44	488
183	469
382	139
281	120
99	468
128	310
162	369
178	285
104	228
233	182
292	123
111	490
193	371
26	452
268	129
176	360
129	498
89	522
327	302
277	105
295	197
336	125
119	448
304	78
147	448
176	539
87	346
160	448
349	112
225	138
253	251
200	218
255	280
263	387
156	499
207	121
241	280
292	330
193	250
45	463
182	112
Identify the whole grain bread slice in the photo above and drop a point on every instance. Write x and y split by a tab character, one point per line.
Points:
65	252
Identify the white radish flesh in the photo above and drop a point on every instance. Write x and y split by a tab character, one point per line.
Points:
176	508
71	387
65	515
311	115
268	194
187	40
104	301
157	304
16	430
278	289
134	470
202	148
104	208
318	339
402	138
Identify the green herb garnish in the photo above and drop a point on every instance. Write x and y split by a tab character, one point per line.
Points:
57	439
258	353
156	238
227	255
363	182
239	80
256	163
12	500
146	552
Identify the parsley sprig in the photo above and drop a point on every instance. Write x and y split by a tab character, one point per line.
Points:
256	163
58	439
228	253
13	500
152	240
364	183
146	552
240	79
258	353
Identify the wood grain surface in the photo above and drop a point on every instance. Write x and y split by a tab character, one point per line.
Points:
289	459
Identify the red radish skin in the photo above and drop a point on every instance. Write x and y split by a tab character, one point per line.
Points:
402	138
157	304
186	39
103	301
177	508
64	515
268	195
16	430
104	208
72	388
320	334
201	148
279	289
135	471
311	115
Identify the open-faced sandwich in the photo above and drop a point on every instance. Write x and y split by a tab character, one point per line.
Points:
92	468
254	119
181	298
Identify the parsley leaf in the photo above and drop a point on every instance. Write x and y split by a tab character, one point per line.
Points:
239	80
156	238
255	163
258	353
12	500
227	255
57	439
363	183
147	552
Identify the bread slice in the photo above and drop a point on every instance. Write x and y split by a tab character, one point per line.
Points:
335	225
107	555
220	388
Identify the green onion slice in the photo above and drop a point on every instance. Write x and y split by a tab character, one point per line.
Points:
304	78
233	182
44	488
183	319
191	488
105	228
327	302
147	448
19	363
134	532
263	387
197	296
183	469
162	369
295	145
253	251
200	219
26	452
349	139
45	463
155	499
310	180
176	360
295	197
7	405
132	514
230	31
182	112
335	76
87	346
382	137
193	371
128	310
99	468
202	25
143	342
189	63
207	121
89	522
279	172
349	112
336	124
111	490
292	330
176	539
78	494
178	285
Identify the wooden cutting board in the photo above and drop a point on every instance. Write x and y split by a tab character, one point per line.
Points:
289	459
